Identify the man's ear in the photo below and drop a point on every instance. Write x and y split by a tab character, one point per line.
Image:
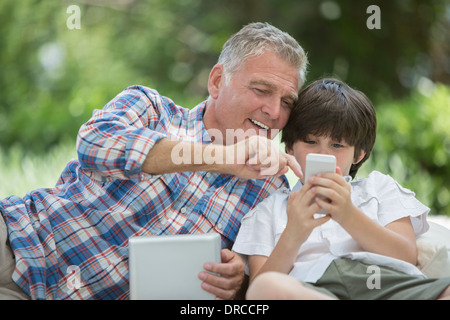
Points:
362	154
215	79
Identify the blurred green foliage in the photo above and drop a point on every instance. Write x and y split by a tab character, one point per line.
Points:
52	77
413	146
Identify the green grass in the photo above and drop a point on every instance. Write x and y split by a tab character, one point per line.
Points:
21	172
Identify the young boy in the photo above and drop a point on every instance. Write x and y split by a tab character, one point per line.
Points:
365	247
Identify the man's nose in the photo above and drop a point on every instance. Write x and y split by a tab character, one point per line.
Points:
272	109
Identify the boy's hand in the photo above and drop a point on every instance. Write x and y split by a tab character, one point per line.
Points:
301	208
337	191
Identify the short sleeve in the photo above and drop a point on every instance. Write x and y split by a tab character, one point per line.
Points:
396	202
257	232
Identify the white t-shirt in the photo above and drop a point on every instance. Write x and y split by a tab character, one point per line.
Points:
378	196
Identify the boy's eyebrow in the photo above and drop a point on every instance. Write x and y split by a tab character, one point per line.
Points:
273	87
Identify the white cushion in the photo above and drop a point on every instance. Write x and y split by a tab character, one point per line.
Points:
434	251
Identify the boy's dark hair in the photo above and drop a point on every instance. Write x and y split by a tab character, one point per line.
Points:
329	107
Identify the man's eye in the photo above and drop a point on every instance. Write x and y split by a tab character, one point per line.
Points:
259	91
288	103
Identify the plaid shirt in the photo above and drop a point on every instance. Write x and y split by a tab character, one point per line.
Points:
70	241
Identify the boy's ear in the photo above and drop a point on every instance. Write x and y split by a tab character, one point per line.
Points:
289	151
362	154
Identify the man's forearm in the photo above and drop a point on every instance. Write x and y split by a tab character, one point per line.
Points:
169	156
253	158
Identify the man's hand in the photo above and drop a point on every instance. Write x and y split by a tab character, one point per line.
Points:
230	278
258	157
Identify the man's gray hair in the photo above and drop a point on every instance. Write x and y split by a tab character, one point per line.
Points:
256	38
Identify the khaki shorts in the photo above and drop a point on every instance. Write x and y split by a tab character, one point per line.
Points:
349	279
8	288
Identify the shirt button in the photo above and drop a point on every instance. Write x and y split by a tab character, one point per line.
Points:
183	210
219	226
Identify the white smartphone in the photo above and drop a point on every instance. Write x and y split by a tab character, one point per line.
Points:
318	163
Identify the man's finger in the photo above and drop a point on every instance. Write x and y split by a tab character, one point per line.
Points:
222	287
227	255
231	265
214	280
220	293
294	165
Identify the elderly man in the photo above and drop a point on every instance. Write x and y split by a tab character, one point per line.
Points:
149	167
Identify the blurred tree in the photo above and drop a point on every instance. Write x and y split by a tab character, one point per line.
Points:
52	77
413	145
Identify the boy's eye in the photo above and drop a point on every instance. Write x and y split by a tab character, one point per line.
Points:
337	145
309	142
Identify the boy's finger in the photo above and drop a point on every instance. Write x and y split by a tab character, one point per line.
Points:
321	220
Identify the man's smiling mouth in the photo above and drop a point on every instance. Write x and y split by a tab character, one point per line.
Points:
259	124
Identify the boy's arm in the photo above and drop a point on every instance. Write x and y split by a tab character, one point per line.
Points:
301	222
280	260
396	239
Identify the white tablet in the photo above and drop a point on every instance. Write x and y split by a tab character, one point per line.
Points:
167	267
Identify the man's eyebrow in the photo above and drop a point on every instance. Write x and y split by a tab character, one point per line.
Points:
271	86
268	84
293	97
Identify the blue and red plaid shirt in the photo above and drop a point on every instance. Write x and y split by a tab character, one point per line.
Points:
104	198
